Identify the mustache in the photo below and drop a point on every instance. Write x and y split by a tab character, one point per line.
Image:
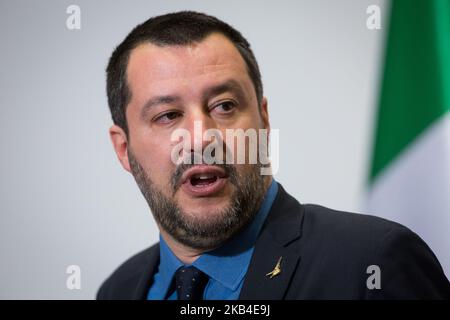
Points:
176	182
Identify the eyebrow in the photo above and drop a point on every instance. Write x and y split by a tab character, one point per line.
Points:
227	86
153	102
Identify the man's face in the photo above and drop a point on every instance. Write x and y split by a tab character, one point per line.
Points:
172	88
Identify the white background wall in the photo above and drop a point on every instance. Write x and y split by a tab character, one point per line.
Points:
64	197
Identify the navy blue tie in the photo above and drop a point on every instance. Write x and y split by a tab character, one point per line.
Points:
190	283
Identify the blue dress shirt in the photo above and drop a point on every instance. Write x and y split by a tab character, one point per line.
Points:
225	266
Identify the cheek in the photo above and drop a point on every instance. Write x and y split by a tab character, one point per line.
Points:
251	119
155	156
161	160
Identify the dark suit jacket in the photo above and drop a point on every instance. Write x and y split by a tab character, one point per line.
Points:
325	256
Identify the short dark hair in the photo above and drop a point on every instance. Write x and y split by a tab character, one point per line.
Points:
178	28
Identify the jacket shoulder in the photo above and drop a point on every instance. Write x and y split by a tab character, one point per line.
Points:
351	242
323	224
122	283
338	222
347	233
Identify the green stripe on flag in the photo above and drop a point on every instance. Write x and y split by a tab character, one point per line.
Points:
416	81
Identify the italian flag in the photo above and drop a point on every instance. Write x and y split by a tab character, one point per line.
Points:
409	179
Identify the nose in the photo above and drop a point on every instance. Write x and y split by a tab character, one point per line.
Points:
197	123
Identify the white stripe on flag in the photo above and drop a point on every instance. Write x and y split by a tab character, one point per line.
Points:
415	189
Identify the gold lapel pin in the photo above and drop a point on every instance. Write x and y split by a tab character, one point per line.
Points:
276	271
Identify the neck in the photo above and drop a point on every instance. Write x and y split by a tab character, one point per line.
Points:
187	254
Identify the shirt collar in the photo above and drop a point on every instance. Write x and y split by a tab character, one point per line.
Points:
229	263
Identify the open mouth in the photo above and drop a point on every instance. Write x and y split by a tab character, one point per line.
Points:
200	180
204	180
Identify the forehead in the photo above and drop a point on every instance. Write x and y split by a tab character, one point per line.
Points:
213	57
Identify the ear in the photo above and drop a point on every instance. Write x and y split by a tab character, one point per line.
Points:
120	144
265	114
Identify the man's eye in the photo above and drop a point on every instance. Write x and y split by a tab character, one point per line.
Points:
168	117
225	107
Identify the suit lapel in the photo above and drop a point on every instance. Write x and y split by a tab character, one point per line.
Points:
279	238
146	278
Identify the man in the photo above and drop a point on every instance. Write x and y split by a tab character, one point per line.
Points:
226	230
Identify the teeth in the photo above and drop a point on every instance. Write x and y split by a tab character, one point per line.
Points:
204	176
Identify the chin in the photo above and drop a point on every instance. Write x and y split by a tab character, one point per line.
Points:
205	207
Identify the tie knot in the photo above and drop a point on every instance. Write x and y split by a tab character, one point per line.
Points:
190	283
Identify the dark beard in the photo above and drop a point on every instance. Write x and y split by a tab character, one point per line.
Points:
221	226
